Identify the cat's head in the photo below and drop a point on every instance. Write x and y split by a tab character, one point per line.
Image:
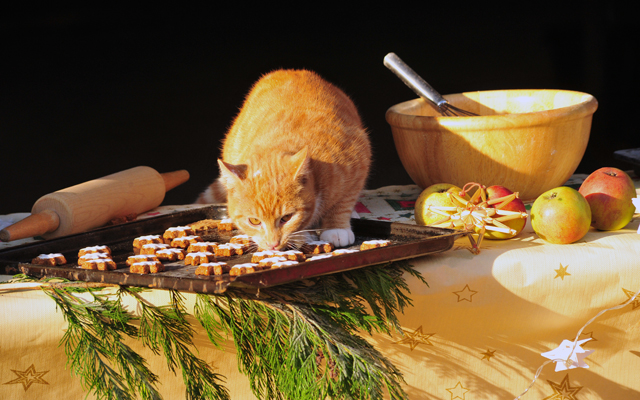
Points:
271	198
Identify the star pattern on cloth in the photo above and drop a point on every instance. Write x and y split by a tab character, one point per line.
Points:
465	294
458	391
635	303
413	339
488	354
562	390
561	272
28	377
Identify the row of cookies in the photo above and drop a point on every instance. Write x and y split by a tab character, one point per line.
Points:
269	259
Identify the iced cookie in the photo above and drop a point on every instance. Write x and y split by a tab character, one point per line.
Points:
374	244
49	259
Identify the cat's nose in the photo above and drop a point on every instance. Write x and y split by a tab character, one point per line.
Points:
273	245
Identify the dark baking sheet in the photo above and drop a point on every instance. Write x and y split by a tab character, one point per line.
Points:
407	241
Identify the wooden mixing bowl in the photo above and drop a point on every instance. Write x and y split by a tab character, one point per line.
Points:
529	141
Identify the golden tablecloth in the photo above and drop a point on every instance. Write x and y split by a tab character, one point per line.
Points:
476	332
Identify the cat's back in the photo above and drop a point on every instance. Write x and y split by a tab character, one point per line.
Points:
291	109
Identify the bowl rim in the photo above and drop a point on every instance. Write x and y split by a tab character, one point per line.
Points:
586	107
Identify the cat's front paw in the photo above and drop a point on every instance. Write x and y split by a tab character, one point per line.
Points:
338	237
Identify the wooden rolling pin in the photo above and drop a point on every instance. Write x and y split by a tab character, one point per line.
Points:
93	204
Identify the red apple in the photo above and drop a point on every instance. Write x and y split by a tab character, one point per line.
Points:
495	192
561	215
609	192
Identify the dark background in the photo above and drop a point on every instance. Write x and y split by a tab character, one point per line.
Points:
90	91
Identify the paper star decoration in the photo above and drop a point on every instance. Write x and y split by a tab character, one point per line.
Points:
565	359
413	339
465	294
458	391
561	272
28	377
563	391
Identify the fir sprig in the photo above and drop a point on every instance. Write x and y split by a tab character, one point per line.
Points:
95	350
166	328
300	341
296	341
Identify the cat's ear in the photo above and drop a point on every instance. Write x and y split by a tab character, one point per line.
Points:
300	163
231	173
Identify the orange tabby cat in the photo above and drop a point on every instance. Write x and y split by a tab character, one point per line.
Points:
296	158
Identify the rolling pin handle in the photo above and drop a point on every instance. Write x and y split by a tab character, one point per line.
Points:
175	178
34	225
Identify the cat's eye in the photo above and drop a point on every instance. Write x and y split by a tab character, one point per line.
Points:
286	218
254	221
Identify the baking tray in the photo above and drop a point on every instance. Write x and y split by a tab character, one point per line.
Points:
407	241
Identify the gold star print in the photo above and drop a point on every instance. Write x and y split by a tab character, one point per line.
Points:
561	272
413	339
458	391
635	303
488	354
465	294
563	391
28	377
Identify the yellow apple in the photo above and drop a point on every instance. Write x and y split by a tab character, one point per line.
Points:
561	215
434	195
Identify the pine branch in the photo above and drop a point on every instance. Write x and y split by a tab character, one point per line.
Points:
300	341
294	341
166	328
93	342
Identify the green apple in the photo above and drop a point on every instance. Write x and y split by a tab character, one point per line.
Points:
609	192
561	215
495	192
434	195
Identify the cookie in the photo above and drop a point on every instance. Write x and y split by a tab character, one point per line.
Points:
142	240
230	249
202	246
199	258
92	256
215	268
205	225
340	252
293	255
140	258
317	247
242	269
268	262
177	232
152	248
260	255
170	254
146	267
101	264
281	264
374	244
49	259
241	239
185	241
226	225
94	249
